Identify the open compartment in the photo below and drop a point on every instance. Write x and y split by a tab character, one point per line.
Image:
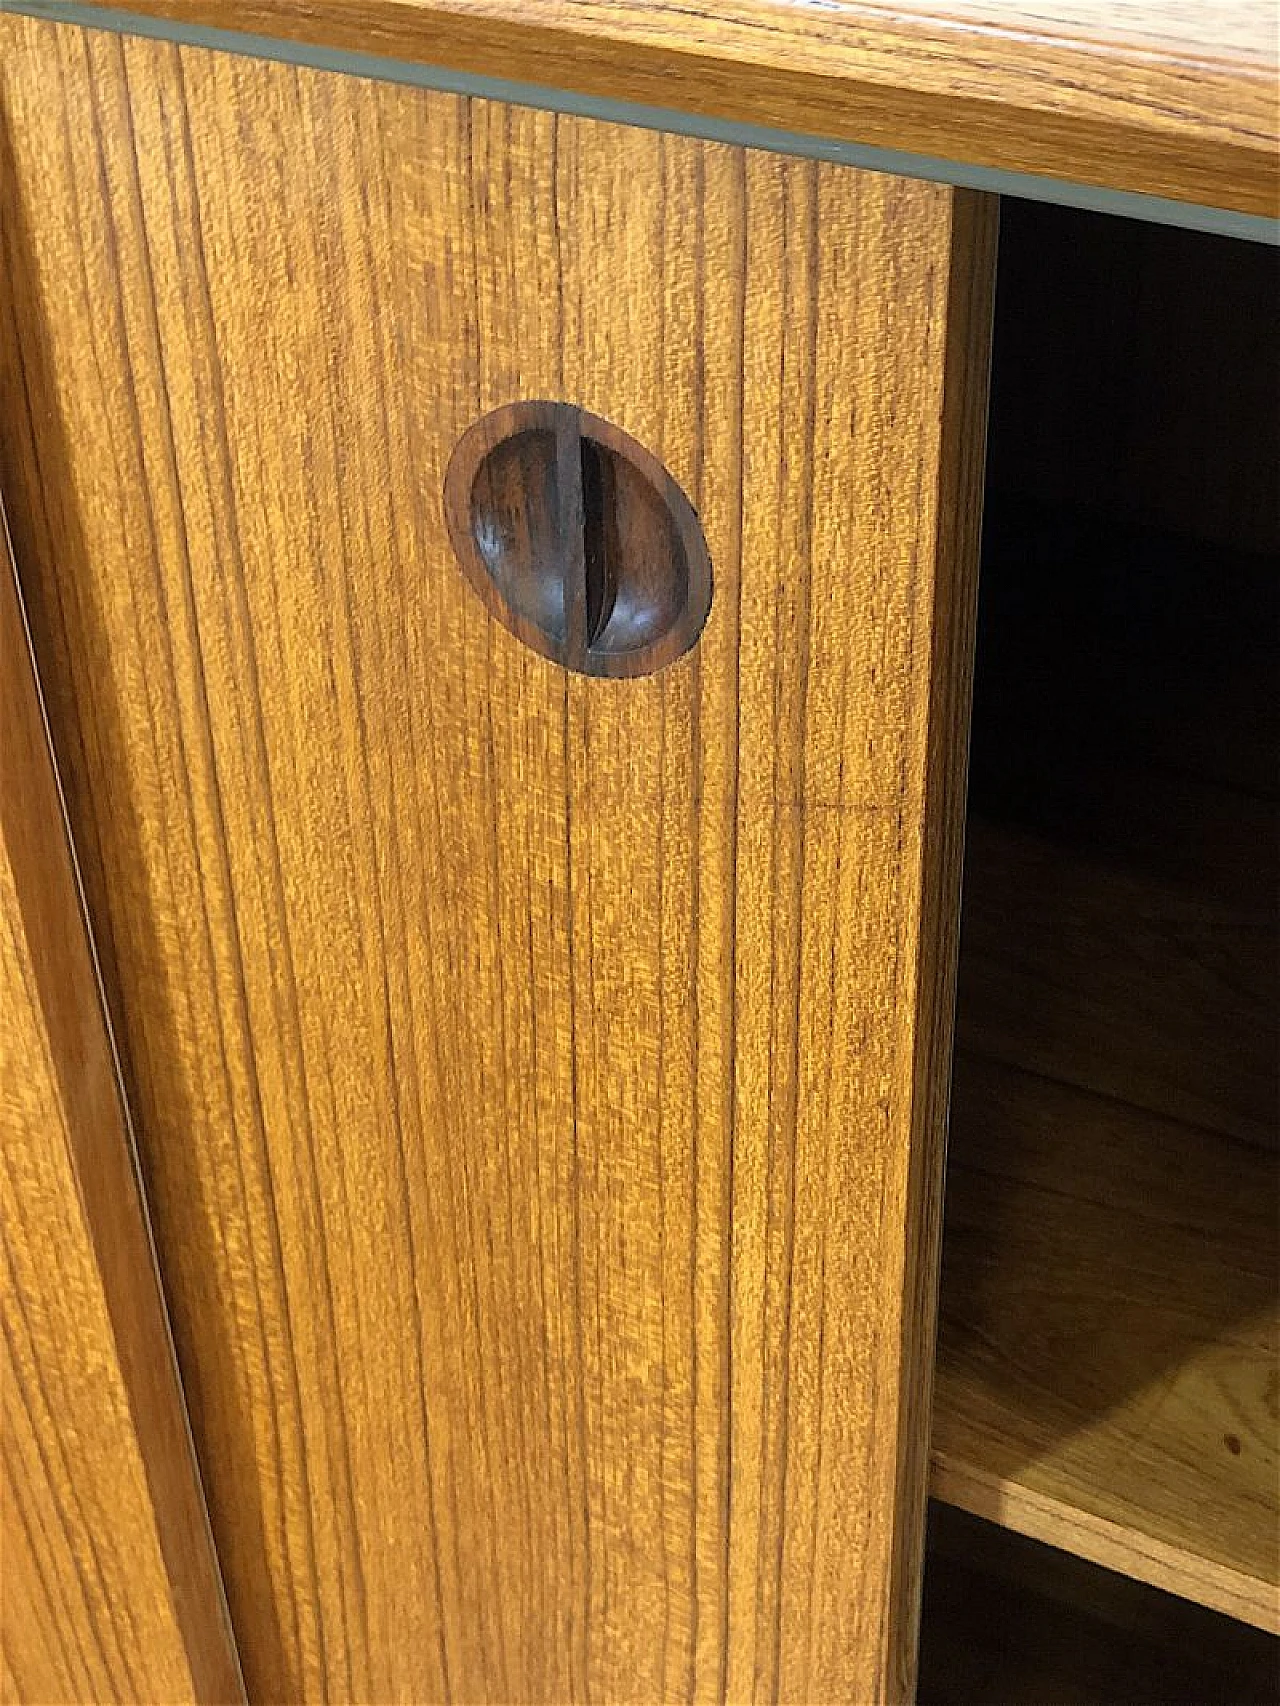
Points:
1011	1622
1107	1365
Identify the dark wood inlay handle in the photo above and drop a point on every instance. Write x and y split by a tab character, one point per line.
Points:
577	539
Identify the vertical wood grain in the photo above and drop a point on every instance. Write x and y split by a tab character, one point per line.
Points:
108	1586
537	1077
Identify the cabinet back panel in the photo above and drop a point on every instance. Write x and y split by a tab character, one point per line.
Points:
538	1078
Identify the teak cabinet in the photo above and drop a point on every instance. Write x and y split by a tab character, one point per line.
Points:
485	733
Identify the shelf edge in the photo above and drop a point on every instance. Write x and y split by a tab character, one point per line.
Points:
1101	1541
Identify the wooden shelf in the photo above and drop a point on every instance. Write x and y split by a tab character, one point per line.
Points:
1108	1348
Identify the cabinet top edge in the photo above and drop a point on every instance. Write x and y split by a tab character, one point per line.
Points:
1163	102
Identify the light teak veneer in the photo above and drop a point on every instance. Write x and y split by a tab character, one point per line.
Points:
539	1080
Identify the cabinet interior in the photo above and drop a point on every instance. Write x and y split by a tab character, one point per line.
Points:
1107	1365
1012	1622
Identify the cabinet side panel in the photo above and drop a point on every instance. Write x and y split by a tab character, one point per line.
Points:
527	1067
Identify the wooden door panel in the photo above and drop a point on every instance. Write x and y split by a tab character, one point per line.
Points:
109	1589
539	1079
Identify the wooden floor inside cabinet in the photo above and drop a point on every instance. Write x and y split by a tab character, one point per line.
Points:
1109	1368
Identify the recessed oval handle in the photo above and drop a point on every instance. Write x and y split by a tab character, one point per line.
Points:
577	539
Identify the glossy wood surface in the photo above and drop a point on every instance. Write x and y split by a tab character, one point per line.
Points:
1165	97
108	1586
539	1079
